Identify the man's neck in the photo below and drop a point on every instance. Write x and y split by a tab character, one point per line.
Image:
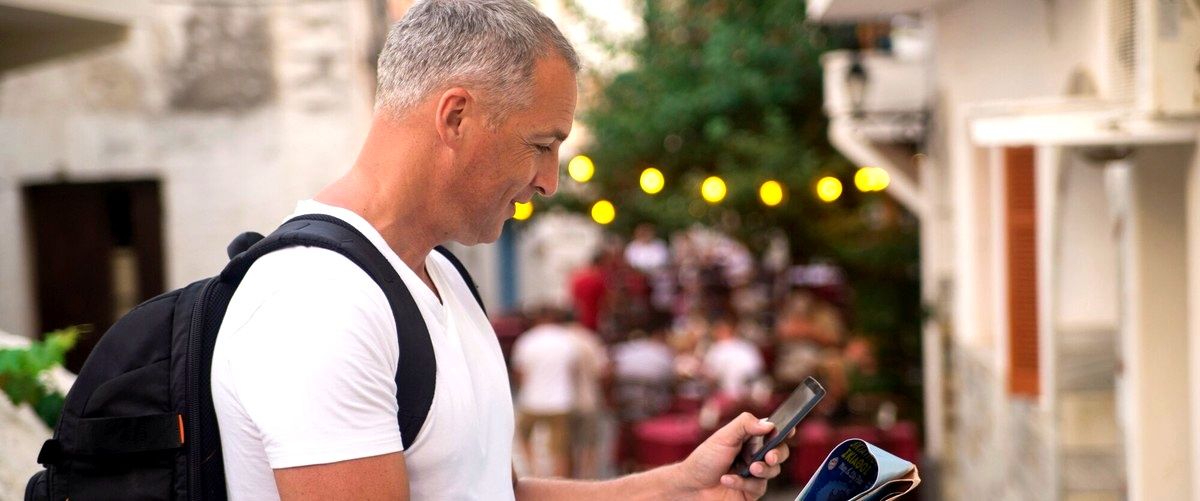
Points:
397	214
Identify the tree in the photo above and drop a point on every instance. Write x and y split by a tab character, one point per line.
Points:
730	88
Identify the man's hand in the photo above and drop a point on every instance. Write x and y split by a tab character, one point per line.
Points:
706	473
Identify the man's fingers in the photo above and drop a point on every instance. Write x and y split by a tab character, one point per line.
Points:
756	487
761	470
778	455
741	428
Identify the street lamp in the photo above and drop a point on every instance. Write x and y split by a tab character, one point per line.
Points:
856	85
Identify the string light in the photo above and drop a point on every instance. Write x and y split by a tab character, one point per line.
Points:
771	193
603	212
713	189
581	168
829	189
523	211
652	180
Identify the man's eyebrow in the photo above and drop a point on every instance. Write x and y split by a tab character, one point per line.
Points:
556	133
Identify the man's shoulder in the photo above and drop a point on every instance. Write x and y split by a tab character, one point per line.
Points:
296	266
307	274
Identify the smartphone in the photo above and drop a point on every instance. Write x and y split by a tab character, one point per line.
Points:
786	417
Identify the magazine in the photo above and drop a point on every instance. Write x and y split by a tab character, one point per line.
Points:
859	471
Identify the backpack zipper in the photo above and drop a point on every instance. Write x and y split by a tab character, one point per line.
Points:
195	346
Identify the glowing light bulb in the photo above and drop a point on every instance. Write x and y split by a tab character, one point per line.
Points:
603	212
652	180
829	189
581	168
713	189
771	193
523	211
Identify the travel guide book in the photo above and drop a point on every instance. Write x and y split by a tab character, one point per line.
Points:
858	471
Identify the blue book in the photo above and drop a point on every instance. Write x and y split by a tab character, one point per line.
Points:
859	471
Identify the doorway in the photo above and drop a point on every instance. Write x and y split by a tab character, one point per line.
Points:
96	253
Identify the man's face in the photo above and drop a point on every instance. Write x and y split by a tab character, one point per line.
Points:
520	157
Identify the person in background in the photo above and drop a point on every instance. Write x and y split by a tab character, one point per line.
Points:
643	383
732	361
588	292
588	412
546	361
646	252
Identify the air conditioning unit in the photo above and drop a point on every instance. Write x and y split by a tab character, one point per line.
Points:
1156	55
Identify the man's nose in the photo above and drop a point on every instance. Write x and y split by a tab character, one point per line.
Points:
546	181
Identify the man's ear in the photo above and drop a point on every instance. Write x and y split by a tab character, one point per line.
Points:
452	109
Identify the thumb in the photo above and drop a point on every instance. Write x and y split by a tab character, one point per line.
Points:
741	428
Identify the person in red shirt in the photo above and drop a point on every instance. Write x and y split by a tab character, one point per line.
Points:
587	292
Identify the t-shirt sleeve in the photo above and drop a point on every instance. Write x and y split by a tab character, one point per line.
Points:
316	375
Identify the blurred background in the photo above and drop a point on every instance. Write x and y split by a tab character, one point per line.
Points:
977	222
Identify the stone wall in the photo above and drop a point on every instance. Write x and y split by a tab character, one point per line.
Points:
238	109
998	447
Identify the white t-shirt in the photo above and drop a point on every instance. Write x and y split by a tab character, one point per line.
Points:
644	360
548	357
304	373
647	256
593	362
735	363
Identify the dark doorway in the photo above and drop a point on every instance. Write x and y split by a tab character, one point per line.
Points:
97	252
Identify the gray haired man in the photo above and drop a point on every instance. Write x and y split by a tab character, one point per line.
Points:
475	98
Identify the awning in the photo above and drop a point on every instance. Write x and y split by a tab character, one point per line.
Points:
37	30
848	11
1075	124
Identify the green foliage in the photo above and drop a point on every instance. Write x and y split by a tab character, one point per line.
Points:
22	373
734	89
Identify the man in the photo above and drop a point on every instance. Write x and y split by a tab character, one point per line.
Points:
546	363
587	416
475	98
732	360
587	292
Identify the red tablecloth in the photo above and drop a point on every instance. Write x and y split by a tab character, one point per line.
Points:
666	439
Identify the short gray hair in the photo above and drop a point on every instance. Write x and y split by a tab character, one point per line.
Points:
491	45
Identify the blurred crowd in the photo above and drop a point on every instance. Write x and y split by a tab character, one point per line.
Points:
663	342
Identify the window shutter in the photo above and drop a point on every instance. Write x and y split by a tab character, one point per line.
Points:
1021	242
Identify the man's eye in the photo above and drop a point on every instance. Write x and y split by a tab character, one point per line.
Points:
543	148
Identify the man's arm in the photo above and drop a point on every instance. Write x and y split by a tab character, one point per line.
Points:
379	477
705	474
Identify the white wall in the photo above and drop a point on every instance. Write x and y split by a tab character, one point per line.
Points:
1086	265
107	115
1155	343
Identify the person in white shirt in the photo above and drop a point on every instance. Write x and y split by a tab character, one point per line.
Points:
546	361
647	252
733	361
475	97
587	416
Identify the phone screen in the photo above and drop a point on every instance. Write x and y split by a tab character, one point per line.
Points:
786	417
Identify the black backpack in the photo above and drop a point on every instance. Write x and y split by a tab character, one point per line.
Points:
139	424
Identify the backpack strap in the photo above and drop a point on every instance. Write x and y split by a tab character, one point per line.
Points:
462	270
417	369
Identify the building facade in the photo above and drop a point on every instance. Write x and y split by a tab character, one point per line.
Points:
1050	156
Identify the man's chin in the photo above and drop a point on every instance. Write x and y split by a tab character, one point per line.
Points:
482	237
